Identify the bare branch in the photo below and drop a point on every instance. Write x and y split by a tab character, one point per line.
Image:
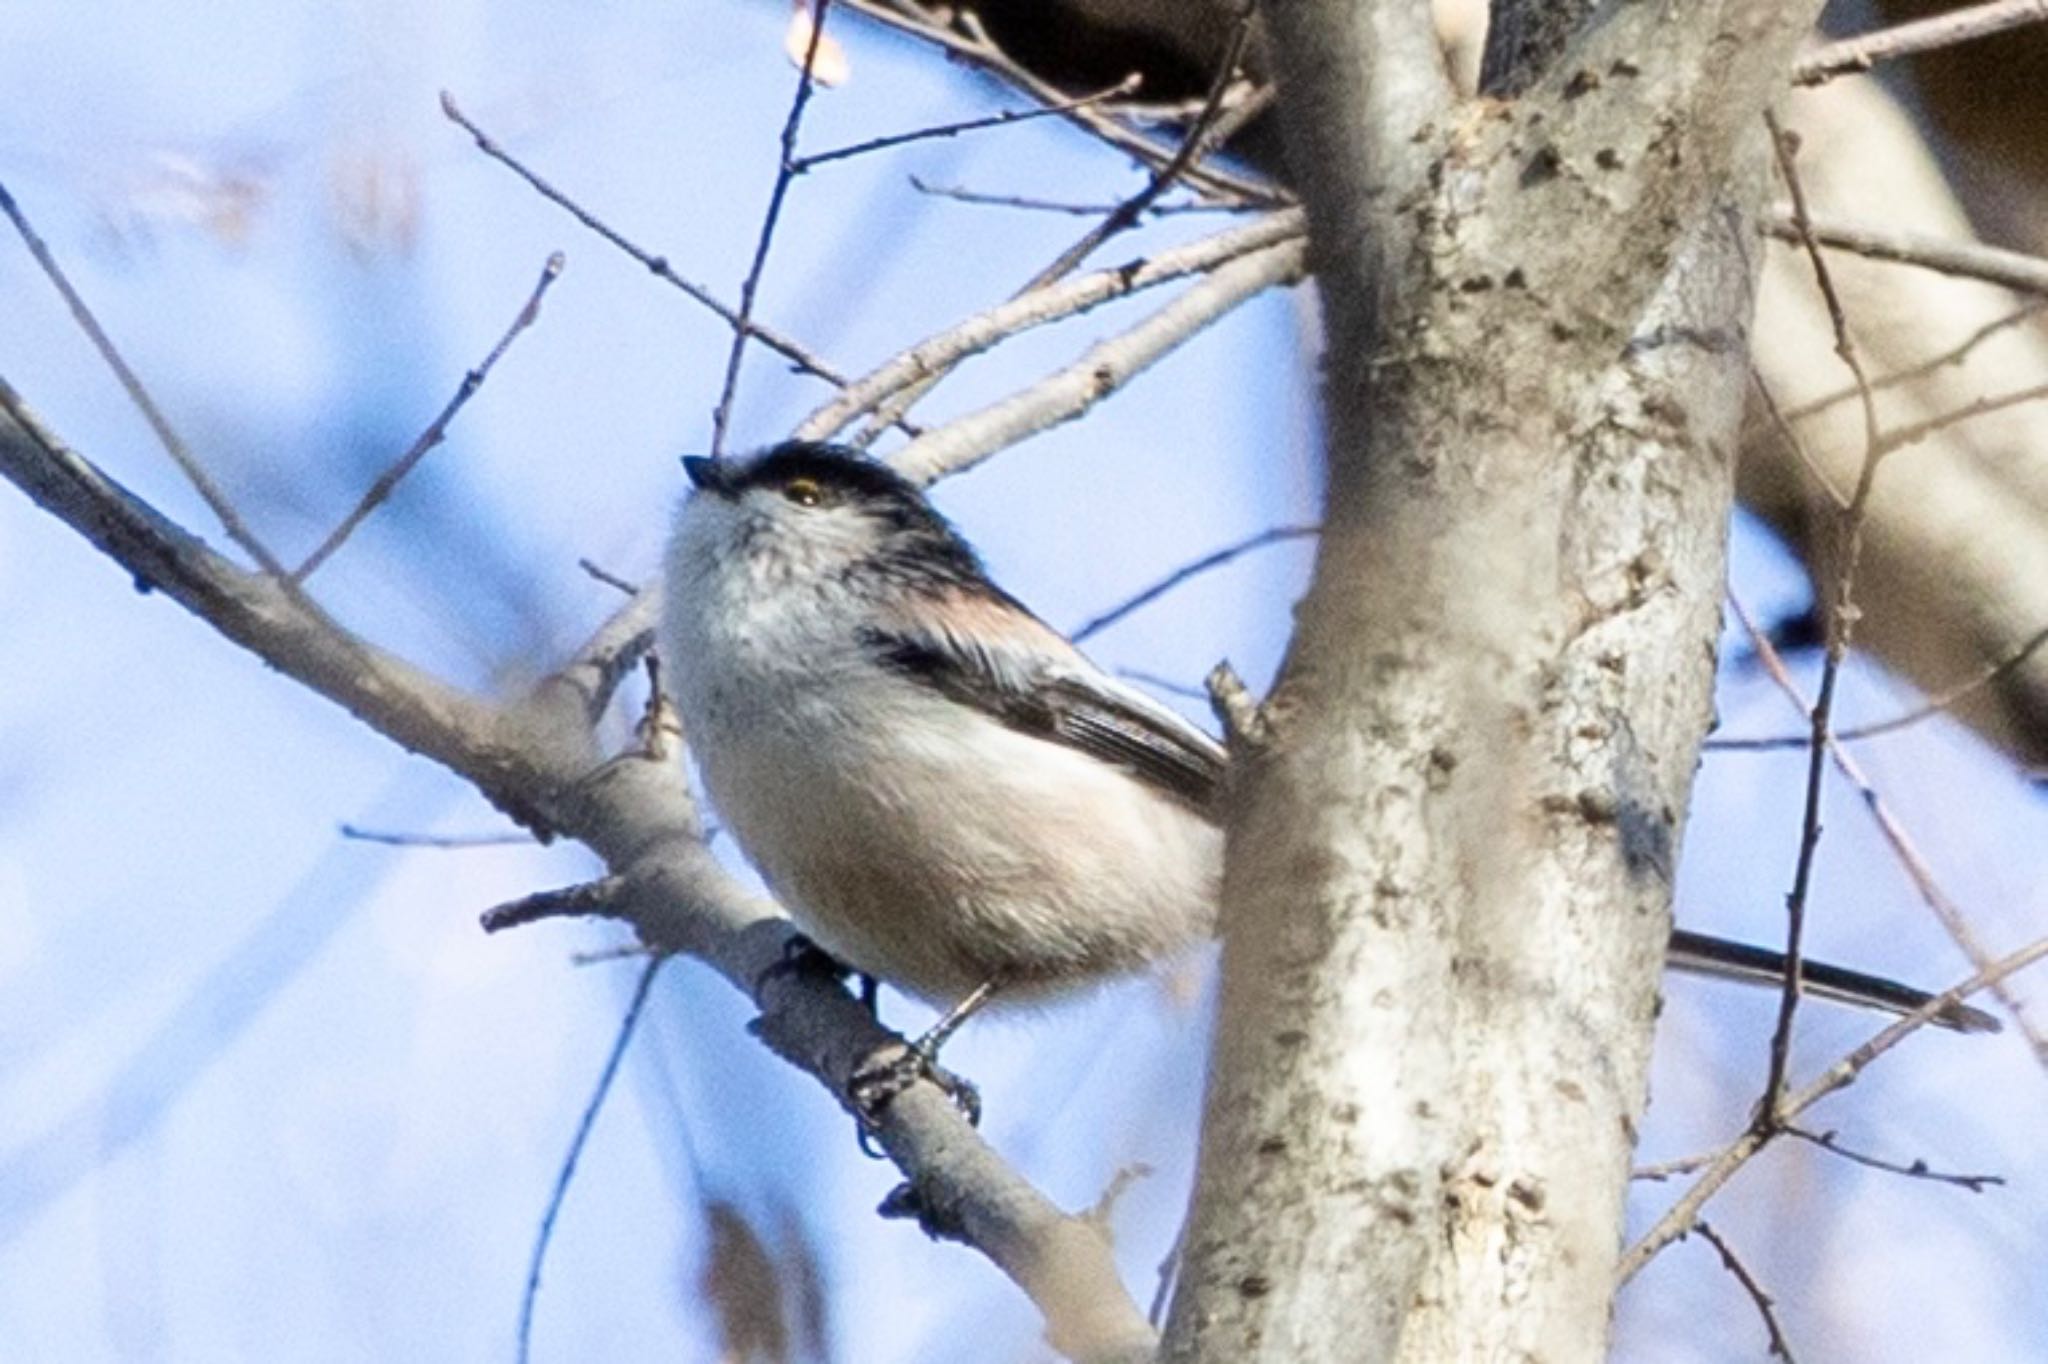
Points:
936	354
1236	709
1936	704
786	170
257	611
1780	1346
1946	911
1953	355
531	1294
604	898
217	501
436	431
1671	1169
606	576
793	351
966	39
1917	1169
1124	216
1944	255
538	761
1101	371
1853	55
1213	560
1685	1212
593	674
397	839
1194	145
1841	620
1001	119
1898	438
961	194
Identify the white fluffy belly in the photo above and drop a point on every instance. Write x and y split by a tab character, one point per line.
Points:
971	853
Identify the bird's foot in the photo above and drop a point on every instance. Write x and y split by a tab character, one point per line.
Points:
877	1081
802	957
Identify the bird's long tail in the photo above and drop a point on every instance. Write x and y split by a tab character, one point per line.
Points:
1708	956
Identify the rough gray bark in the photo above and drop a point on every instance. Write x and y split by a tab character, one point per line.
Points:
1524	38
1455	823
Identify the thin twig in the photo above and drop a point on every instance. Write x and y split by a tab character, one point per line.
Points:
967	39
1898	438
1946	911
1954	355
1780	1346
1918	1169
1938	703
786	170
531	1294
1852	55
1127	214
1241	112
606	576
940	352
397	839
217	501
1215	559
601	956
793	351
1841	626
437	430
1671	1169
1814	470
1194	145
2013	270
1683	1213
1001	119
604	898
961	194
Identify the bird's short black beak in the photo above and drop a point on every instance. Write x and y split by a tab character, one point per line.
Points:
709	474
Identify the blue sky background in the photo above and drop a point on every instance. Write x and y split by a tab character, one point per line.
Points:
266	1093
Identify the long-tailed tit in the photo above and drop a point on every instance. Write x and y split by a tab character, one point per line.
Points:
942	790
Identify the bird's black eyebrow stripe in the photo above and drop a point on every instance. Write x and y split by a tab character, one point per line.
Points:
835	466
924	552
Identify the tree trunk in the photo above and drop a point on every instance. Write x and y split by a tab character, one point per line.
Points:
1450	861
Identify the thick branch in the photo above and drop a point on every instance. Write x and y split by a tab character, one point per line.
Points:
1103	369
537	760
936	354
1361	87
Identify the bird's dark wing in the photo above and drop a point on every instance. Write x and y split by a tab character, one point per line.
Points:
1707	956
1044	687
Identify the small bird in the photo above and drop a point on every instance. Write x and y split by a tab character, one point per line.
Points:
942	790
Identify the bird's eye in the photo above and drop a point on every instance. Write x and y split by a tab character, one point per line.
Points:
805	492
